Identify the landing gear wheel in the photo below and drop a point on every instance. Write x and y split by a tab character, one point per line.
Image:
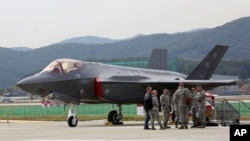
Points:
72	122
114	117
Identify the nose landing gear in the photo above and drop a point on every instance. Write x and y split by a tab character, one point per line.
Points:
72	119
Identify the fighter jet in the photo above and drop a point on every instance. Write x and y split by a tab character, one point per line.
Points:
74	81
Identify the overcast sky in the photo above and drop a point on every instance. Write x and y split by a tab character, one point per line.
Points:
38	23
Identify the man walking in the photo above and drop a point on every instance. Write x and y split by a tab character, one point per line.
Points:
165	107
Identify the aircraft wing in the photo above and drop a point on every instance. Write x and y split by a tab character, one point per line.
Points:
164	82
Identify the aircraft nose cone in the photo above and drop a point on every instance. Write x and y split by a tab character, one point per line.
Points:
31	84
26	81
26	84
23	82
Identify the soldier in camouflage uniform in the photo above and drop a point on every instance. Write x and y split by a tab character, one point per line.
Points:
201	99
154	113
194	109
176	115
180	99
165	107
175	112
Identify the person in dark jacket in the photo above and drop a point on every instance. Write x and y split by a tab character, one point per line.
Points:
147	116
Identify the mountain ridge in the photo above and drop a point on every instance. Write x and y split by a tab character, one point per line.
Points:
188	45
89	40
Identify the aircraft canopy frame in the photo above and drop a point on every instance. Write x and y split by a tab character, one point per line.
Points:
63	66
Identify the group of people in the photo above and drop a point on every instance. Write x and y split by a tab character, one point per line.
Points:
153	113
181	102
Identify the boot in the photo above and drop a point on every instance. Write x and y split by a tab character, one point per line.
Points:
162	128
202	125
176	124
164	125
185	125
193	126
182	127
167	126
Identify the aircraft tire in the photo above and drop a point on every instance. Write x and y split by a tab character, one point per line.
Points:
72	122
112	117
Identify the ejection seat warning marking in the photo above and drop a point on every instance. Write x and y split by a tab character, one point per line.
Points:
239	132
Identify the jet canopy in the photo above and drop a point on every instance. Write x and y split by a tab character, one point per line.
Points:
63	66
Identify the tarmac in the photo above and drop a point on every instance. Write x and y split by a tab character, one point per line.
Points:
15	130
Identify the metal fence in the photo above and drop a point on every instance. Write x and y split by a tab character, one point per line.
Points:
224	112
82	109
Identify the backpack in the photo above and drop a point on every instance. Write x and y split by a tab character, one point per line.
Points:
188	100
148	104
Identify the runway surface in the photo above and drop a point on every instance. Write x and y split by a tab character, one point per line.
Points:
97	130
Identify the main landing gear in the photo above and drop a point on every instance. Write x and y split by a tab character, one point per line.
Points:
114	116
72	119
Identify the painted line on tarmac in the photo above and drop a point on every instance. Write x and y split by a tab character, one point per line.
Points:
113	140
9	128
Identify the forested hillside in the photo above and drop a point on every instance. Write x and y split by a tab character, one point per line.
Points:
185	46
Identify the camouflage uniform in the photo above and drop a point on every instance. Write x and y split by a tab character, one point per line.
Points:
194	109
176	118
154	113
175	112
171	102
201	99
165	107
183	108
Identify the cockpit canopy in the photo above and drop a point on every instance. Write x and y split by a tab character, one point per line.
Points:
63	66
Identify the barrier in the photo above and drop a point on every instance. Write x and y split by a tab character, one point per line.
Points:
53	109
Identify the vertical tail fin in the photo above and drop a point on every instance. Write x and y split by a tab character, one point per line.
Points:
158	59
208	65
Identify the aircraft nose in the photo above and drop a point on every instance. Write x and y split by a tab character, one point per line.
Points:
25	81
32	84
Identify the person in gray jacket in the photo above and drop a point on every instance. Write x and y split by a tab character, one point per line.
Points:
165	107
154	113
